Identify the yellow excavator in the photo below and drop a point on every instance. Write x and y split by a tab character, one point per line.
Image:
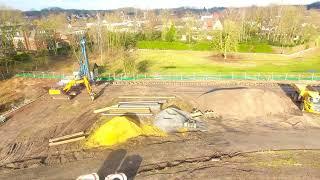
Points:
308	97
83	77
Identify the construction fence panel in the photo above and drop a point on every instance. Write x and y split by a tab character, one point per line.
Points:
186	77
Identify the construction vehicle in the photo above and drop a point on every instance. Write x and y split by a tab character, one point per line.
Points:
81	78
308	97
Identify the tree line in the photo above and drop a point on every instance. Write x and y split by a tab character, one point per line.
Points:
281	26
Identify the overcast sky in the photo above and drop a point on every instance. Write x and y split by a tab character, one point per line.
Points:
145	4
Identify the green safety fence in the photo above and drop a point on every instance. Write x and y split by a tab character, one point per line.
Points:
182	77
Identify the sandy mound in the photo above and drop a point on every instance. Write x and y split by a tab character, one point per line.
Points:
119	130
244	103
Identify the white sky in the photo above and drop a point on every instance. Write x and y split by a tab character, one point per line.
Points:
145	4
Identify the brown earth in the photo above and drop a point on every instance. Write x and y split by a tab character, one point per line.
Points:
25	154
17	90
244	103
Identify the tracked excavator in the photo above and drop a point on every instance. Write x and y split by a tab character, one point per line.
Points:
308	97
81	78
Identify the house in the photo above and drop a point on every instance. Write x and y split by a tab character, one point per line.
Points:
212	22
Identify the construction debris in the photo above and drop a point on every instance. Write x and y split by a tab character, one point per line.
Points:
211	114
2	119
120	129
173	120
196	113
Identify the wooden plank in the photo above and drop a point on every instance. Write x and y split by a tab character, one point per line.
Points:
126	114
127	110
104	109
66	136
146	97
67	141
128	106
143	102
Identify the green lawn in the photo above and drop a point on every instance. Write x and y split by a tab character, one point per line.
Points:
255	47
170	61
199	46
251	46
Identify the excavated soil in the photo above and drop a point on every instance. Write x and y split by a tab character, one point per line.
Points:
246	103
16	90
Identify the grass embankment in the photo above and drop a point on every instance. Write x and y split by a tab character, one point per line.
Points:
170	61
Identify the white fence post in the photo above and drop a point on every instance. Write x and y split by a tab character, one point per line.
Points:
312	76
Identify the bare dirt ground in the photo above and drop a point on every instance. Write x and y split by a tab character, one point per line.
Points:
220	152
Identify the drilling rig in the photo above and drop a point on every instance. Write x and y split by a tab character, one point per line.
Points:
81	78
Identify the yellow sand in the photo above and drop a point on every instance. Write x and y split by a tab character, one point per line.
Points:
119	130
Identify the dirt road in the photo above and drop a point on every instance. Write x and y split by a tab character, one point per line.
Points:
25	152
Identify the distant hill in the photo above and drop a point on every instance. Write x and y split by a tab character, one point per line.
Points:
128	11
315	5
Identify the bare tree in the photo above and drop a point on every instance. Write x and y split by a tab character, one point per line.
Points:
227	40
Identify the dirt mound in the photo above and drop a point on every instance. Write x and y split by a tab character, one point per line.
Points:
244	103
16	90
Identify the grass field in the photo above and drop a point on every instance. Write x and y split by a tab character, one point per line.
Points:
251	46
170	61
162	45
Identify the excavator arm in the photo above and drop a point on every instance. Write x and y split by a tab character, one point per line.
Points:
84	81
88	87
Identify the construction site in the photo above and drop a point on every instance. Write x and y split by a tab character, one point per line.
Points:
154	130
83	127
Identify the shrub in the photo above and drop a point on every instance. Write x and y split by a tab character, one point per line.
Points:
143	66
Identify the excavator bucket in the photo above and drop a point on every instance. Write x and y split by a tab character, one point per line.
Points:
54	91
58	94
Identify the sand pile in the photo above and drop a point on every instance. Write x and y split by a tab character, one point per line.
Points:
243	103
118	130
